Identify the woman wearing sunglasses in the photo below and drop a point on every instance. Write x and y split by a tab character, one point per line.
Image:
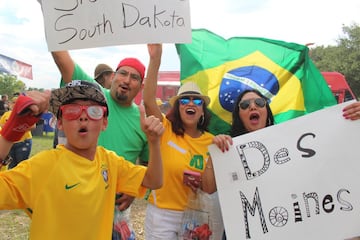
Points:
252	112
184	148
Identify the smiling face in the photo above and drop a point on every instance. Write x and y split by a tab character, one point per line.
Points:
82	132
191	109
254	117
126	84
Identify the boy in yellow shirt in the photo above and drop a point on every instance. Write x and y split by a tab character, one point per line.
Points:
70	190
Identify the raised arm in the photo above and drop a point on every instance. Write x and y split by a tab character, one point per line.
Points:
26	112
65	64
153	129
149	93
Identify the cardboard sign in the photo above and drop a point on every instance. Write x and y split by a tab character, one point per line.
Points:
295	180
75	24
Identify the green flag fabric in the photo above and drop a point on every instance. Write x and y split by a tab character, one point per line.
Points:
280	70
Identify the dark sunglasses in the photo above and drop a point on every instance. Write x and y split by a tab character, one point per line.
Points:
187	100
245	104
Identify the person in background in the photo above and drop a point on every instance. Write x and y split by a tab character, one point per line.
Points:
159	102
21	149
184	146
2	107
252	112
71	189
104	74
126	84
4	104
165	107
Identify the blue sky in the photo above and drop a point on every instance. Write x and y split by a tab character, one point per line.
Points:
22	31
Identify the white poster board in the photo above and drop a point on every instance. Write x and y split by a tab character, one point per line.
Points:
296	180
74	24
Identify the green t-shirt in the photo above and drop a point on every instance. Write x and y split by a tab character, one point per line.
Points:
123	134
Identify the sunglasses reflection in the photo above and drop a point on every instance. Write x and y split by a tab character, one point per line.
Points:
187	100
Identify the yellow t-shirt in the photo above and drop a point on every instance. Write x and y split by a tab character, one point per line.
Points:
179	154
5	117
3	168
70	197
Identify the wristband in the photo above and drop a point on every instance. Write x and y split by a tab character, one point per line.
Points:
20	120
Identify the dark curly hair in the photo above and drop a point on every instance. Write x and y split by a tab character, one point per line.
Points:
177	125
237	127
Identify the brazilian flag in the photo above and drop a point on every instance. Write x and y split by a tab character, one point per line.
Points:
282	71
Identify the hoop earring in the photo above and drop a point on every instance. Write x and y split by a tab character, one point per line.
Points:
202	120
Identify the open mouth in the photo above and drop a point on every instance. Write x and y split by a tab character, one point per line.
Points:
190	111
124	87
254	116
82	130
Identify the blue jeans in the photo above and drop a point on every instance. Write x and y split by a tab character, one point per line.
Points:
19	152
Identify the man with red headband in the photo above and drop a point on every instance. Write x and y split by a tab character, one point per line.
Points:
123	134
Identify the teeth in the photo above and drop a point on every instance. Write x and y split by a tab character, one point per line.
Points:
190	111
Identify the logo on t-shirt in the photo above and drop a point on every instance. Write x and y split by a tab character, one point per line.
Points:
67	187
197	161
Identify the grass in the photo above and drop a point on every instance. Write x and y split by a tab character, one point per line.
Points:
42	143
14	224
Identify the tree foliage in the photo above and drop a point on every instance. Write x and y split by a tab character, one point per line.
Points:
9	84
343	58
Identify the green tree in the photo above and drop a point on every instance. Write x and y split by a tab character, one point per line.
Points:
343	58
9	84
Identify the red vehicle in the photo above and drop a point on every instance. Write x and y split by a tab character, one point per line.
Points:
339	86
168	85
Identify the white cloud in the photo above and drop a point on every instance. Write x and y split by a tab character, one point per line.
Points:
22	31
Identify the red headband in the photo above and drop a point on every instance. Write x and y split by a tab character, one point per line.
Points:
134	63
